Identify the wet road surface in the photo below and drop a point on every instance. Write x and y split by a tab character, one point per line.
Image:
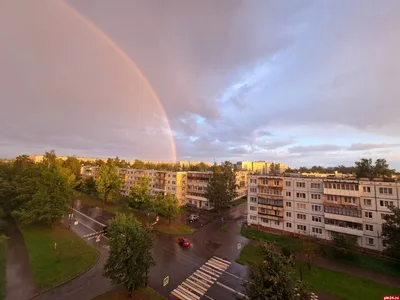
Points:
20	284
171	259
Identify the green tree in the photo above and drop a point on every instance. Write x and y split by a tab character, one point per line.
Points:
22	162
381	168
391	231
221	189
7	192
169	207
44	198
274	169
140	194
130	255
88	186
138	164
108	181
274	279
364	168
74	165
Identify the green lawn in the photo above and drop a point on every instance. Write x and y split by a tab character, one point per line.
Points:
250	255
174	228
338	284
239	201
291	243
344	286
2	270
54	266
90	200
120	294
224	228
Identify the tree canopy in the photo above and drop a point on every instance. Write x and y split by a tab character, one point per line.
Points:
130	256
274	278
391	231
108	181
221	189
168	206
140	194
366	169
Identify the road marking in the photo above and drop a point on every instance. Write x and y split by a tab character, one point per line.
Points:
89	217
90	228
232	290
222	260
201	280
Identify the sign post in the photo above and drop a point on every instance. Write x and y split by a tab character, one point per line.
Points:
239	245
166	281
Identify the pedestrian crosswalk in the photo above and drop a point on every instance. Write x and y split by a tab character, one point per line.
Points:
197	284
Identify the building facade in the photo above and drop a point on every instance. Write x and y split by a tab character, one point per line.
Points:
322	207
188	187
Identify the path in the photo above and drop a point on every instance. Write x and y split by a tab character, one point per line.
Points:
20	284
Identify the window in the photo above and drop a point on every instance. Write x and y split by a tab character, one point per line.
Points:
367	202
288	194
368	214
370	241
350	200
300	184
366	189
316	196
277	222
301	195
301	216
288	204
302	227
316	219
383	216
332	198
253	199
287	183
264	220
316	207
253	190
386	203
301	206
253	180
276	182
253	208
315	185
388	191
369	227
173	182
254	218
289	225
316	230
288	214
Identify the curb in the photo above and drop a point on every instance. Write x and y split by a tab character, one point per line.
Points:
67	281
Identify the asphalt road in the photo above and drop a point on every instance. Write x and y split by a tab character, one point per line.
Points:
171	259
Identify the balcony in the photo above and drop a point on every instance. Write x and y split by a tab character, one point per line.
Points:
346	230
342	217
159	187
346	193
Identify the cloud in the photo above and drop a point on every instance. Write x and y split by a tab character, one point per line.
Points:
361	146
314	149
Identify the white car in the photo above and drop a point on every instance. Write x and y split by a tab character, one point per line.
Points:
193	218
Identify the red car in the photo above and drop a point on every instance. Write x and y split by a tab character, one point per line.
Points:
184	242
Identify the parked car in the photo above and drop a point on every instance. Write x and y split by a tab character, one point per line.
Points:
184	242
193	217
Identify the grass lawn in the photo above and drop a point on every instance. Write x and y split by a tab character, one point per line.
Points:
224	228
54	266
90	200
280	240
119	294
2	270
338	284
344	286
239	201
250	254
375	264
174	228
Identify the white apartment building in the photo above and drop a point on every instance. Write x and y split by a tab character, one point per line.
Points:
188	187
321	207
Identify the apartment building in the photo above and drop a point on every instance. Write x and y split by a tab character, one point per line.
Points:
260	167
196	187
321	207
159	182
89	171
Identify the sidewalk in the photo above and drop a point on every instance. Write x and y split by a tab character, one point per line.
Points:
20	284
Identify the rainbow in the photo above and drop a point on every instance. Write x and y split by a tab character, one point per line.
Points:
130	62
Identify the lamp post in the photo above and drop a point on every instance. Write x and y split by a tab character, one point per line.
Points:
70	215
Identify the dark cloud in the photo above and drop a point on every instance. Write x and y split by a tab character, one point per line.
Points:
361	146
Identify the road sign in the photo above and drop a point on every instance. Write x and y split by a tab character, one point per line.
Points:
239	245
97	238
166	281
76	223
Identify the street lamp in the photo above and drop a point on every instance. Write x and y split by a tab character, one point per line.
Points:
70	215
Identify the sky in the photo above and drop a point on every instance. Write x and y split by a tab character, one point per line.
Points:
299	82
